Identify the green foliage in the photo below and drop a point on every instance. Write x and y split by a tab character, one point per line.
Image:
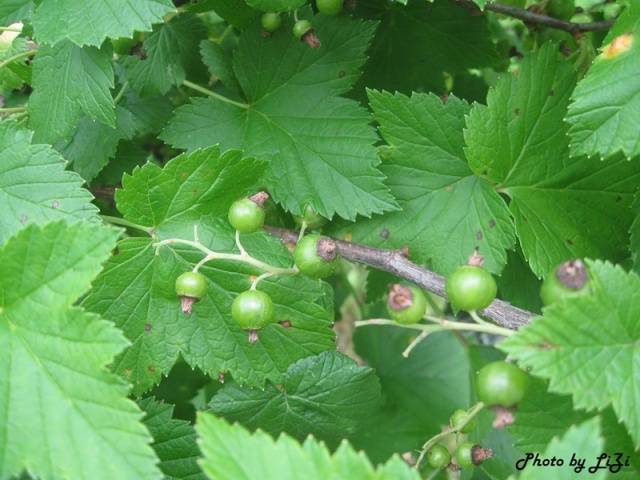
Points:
421	131
56	390
231	452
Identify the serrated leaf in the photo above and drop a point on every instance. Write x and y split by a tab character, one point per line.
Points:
197	189
34	186
89	22
519	142
15	10
318	144
238	14
276	5
605	112
170	50
542	415
55	390
174	441
415	44
442	201
70	82
93	143
327	396
231	452
585	438
219	63
588	346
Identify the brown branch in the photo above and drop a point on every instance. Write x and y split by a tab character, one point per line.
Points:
395	261
533	18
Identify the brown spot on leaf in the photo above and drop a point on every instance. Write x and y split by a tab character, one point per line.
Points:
479	235
384	233
492	223
618	46
151	369
568	241
55	204
341	73
24	218
147	327
516	112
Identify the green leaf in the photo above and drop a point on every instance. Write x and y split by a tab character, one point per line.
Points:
93	143
327	396
319	145
519	143
174	441
16	73
172	49
238	14
417	43
87	22
197	189
231	452
15	10
441	200
588	346
219	62
585	438
59	403
34	186
420	391
542	415
605	113
70	82
276	5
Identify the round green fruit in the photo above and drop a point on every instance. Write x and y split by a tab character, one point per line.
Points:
438	457
502	384
316	256
458	418
562	9
271	21
470	288
311	218
246	216
406	304
464	455
300	28
329	7
569	280
192	285
253	310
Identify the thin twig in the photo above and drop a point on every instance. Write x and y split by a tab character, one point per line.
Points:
395	262
533	18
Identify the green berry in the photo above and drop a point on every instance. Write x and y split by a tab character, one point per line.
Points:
569	280
246	216
190	287
253	310
464	455
311	218
191	284
438	457
562	9
502	384
458	418
406	304
470	288
316	256
329	7
271	21
300	28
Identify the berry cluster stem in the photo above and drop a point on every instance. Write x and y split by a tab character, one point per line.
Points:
473	411
242	257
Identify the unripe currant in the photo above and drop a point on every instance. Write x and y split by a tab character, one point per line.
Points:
303	31
271	21
468	455
458	418
470	287
247	214
253	310
311	218
438	456
329	7
406	304
190	287
501	383
570	279
316	256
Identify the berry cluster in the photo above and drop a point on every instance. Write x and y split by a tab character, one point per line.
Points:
302	29
500	385
315	256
